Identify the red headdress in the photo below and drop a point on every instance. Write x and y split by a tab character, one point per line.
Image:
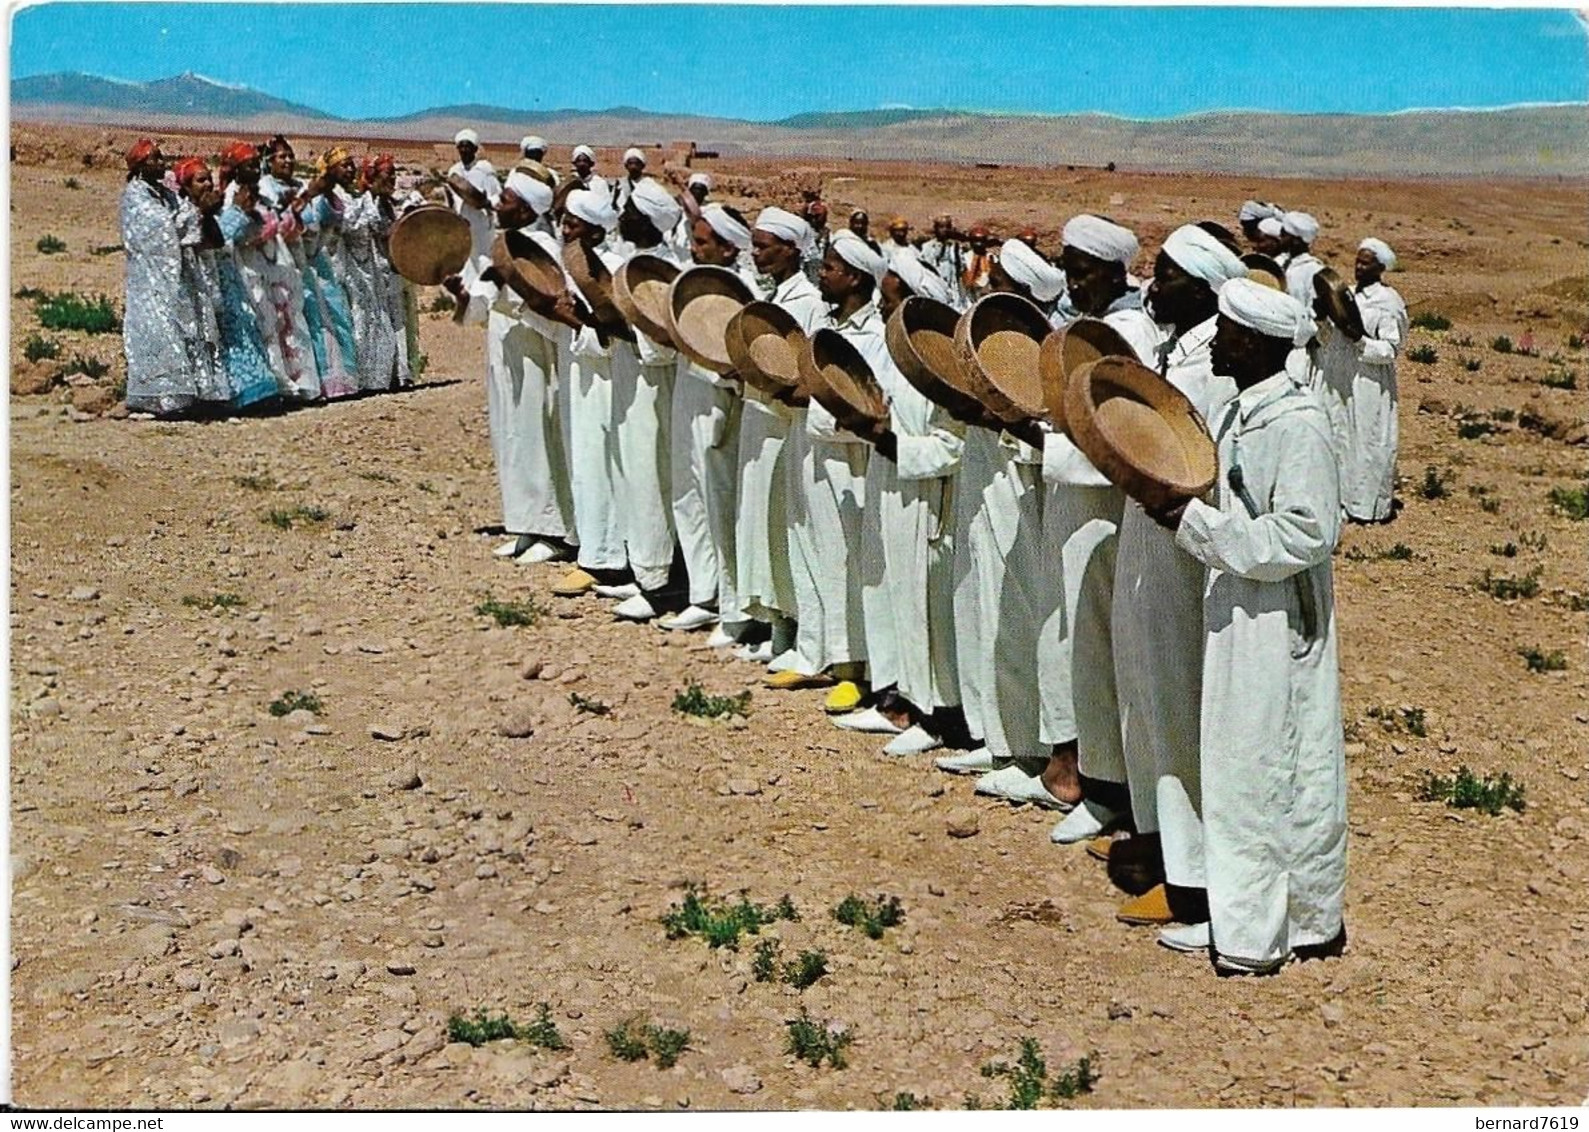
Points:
188	168
238	153
140	152
375	166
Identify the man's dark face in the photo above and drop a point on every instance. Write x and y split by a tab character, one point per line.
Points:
979	242
1093	283
1367	268
1265	244
699	191
577	231
706	246
536	155
942	228
899	233
467	151
281	164
837	280
154	166
513	211
1176	296
1249	229
773	256
891	294
635	167
636	227
583	165
860	224
1243	354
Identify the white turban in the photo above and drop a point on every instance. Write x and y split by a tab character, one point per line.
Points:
584	150
532	144
1045	281
466	136
1270	226
592	207
535	193
1301	225
699	179
786	226
726	226
1256	210
632	152
1198	252
913	273
1100	239
657	203
1381	252
1269	312
859	254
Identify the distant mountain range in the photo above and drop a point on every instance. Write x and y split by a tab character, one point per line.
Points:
1527	141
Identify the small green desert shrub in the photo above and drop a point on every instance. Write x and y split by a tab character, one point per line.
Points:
255	483
290	702
212	601
50	245
1423	354
1436	483
872	916
1408	719
1560	379
37	348
1539	661
509	613
1572	502
694	701
589	705
1506	587
485	1027
814	1042
1466	791
1029	1081
720	923
80	363
69	311
1431	320
1471	428
285	518
1501	344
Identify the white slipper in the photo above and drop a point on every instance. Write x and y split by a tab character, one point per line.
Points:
761	653
1085	822
915	740
870	720
788	660
539	551
513	549
690	619
1014	785
621	591
1185	937
975	761
635	608
725	633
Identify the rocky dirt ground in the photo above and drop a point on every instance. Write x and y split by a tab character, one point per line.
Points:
217	907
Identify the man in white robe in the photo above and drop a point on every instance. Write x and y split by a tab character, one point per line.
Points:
586	401
472	190
946	256
827	489
642	407
766	592
1157	615
522	343
583	162
533	149
705	453
1080	514
1251	214
1358	384
1273	763
907	544
634	165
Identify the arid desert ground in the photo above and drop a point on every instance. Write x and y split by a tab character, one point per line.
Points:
217	907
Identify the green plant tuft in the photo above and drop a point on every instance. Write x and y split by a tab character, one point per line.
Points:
720	923
1436	483
627	1042
589	705
1506	587
212	601
1431	320
37	348
285	518
1501	344
69	311
1423	354
50	245
1029	1081
1405	718
480	1029
1472	428
815	1042
1560	379
807	968
255	483
93	367
694	701
764	965
508	614
290	702
1539	661
1466	791
1572	502
543	1031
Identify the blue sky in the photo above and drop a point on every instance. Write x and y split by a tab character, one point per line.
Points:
765	62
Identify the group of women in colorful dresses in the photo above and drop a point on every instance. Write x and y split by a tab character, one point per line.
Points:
246	285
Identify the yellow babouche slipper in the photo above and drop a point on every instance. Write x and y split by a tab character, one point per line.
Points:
787	681
573	583
1098	847
845	696
1152	907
